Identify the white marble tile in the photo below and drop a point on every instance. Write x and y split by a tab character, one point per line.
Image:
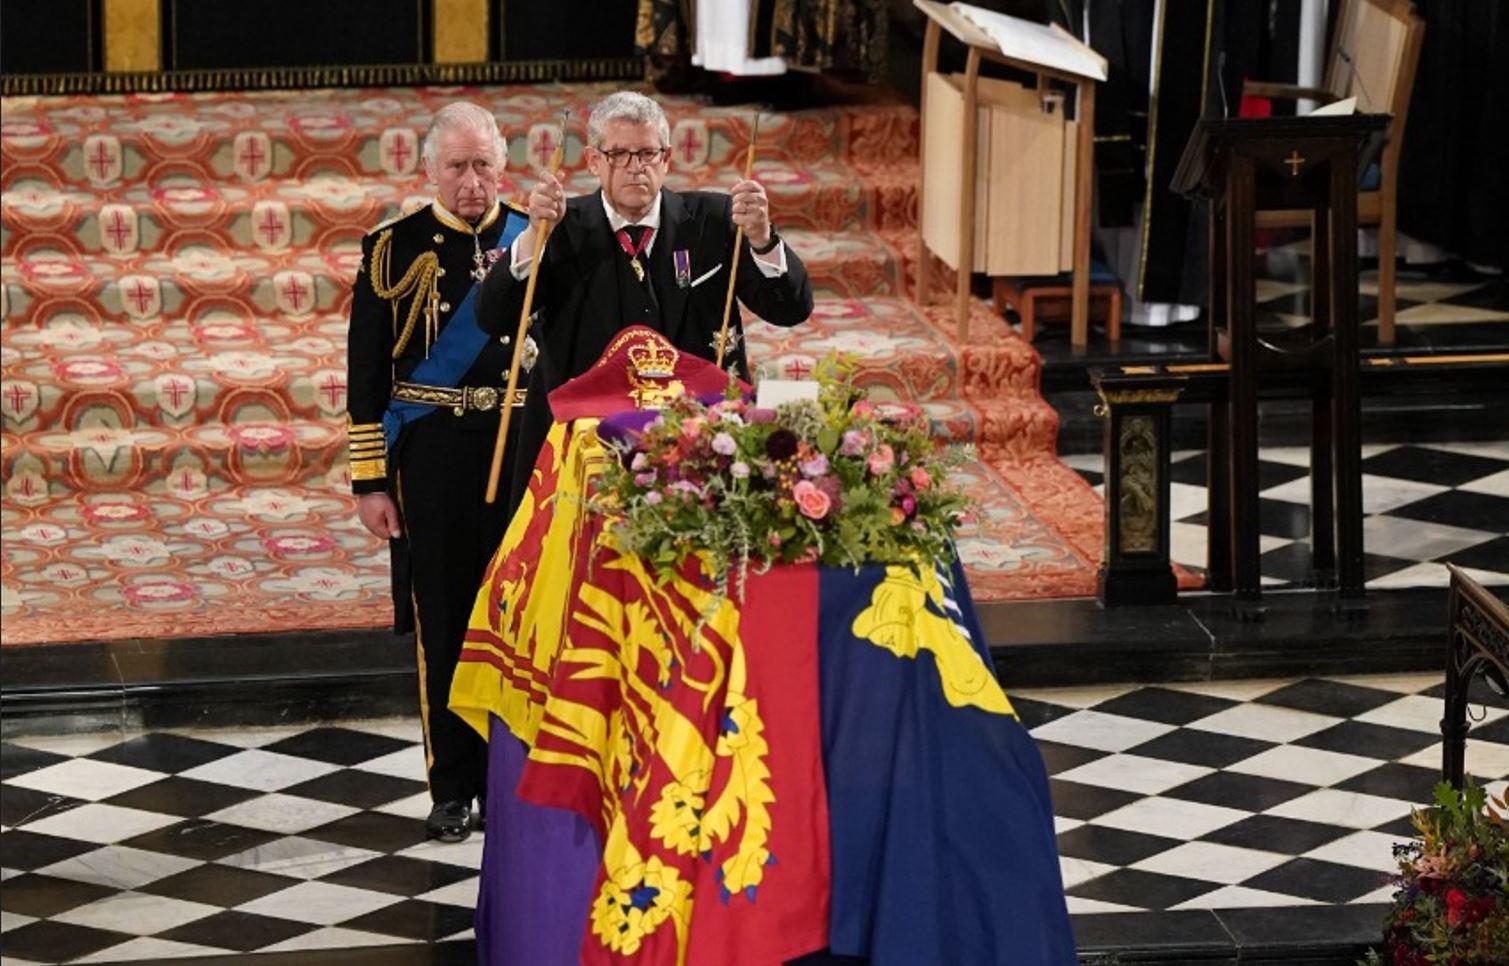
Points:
1078	906
404	763
1171	817
1239	897
1095	462
1420	713
462	936
9	873
1212	863
13	920
1445	313
1347	809
1366	850
264	771
74	745
1134	773
1379	895
1062	825
1288	455
145	949
1239	690
246	737
101	823
403	729
1186	500
1083	697
299	857
119	867
415	806
1312	766
1485	759
333	937
1380	494
136	914
1187	543
1078	871
1265	722
467	854
1496	484
463	893
1488	578
86	779
1415	540
1104	732
1492	449
322	903
284	814
1400	683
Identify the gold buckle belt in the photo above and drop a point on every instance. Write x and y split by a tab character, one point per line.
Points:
459	398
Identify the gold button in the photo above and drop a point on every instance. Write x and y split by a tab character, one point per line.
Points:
439	238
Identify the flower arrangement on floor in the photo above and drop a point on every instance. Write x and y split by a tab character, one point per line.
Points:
840	481
1452	907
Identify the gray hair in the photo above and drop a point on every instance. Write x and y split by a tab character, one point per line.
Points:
461	115
627	106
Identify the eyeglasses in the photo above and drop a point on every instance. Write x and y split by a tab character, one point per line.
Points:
620	157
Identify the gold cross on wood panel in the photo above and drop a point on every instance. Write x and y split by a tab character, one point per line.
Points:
1294	161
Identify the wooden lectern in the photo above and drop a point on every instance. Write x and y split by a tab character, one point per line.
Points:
1243	166
1074	184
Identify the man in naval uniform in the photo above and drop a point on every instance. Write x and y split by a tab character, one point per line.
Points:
425	387
634	253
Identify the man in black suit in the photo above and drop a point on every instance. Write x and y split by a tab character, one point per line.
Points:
634	253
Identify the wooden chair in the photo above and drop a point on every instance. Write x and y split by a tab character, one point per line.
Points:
1373	58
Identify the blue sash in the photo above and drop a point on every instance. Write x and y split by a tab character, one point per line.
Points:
453	351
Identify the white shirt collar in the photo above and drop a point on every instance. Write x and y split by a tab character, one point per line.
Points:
650	220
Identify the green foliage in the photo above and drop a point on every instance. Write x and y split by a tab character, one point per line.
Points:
840	481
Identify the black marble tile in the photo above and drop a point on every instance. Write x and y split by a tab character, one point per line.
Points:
415	919
1461	508
220	885
19	806
1200	748
40	896
1478	693
1271	473
49	941
200	838
371	830
20	849
1164	705
1035	714
1111	846
1335	698
1492	294
1488	555
1274	834
1407	783
1497	731
1426	465
1298	303
17	760
1321	881
359	789
399	875
1288	933
1276	518
1185	937
1400	828
1253	793
338	746
1059	758
165	752
1291	563
241	931
1143	890
1073	800
1369	740
185	797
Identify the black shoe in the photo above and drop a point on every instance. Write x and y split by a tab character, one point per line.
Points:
449	821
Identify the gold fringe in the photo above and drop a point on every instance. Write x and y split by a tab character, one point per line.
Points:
371	75
418	280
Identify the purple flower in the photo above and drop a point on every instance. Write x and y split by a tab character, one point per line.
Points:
645	479
724	445
908	504
653	497
816	466
854	443
740	470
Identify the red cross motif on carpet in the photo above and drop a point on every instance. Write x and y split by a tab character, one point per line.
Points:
270	225
691	142
295	292
175	394
398	148
118	229
102	158
331	392
141	296
541	144
252	151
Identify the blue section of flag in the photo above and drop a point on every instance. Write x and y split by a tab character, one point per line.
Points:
455	349
953	799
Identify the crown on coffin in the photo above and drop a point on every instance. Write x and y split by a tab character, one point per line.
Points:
653	359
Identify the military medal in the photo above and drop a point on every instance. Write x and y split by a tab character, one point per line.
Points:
635	250
638	268
683	260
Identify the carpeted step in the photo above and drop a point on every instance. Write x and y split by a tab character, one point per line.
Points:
277	215
231	138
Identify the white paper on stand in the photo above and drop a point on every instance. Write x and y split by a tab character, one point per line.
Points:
1036	43
773	392
1347	105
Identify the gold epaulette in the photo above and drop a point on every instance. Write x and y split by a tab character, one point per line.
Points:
369	450
419	280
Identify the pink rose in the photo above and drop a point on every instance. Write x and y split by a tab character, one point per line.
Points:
814	467
775	539
921	479
882	460
909	504
653	497
811	501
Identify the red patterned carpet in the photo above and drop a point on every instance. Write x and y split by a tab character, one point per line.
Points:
176	273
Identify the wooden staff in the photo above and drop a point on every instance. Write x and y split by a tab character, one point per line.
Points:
541	232
733	267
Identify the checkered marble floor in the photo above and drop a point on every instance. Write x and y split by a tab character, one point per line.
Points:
1425	505
155	846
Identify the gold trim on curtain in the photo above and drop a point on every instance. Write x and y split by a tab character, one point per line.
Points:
461	31
133	38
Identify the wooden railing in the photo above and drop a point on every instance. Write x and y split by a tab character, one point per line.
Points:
1477	644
